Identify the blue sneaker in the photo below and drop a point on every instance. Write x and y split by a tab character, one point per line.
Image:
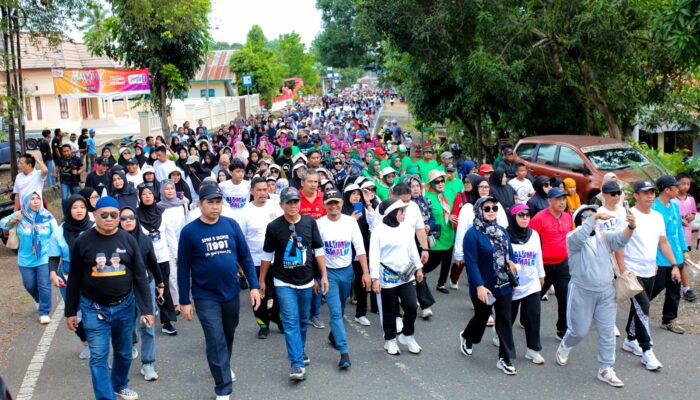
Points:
344	362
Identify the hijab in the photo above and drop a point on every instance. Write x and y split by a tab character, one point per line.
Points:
498	240
150	216
127	189
181	185
504	194
390	219
517	234
87	193
171	202
35	218
572	200
137	233
72	228
466	168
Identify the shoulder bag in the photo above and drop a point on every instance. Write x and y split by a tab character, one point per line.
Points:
626	283
13	239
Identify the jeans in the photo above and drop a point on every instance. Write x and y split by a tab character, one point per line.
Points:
38	284
117	325
69	189
295	305
503	308
316	301
673	293
50	180
339	283
558	275
390	309
219	322
148	335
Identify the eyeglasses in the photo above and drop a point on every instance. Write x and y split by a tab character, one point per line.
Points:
490	208
615	194
483	186
523	214
95	197
111	214
439	181
127	218
337	163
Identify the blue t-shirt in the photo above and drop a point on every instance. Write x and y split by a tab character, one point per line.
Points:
674	232
209	255
92	149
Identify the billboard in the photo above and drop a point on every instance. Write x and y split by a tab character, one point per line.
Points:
100	82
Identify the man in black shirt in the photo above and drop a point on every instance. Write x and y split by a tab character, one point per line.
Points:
106	268
56	143
292	240
99	179
45	150
68	169
82	144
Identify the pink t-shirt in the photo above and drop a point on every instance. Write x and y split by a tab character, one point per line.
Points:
687	206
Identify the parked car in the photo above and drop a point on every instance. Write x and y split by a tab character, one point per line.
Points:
586	159
7	204
5	152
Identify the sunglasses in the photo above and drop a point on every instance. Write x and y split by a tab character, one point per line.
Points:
523	214
112	215
370	190
490	208
337	163
615	194
439	181
127	218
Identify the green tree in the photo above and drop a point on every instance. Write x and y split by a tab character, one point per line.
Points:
340	44
677	24
259	61
226	46
291	52
169	37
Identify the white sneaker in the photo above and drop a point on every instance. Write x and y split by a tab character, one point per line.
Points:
85	353
534	356
233	376
617	332
37	305
134	352
44	320
149	373
632	346
454	286
494	338
608	376
127	394
410	342
392	347
399	324
224	397
362	321
562	355
427	313
649	360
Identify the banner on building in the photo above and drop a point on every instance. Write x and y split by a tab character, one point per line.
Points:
100	82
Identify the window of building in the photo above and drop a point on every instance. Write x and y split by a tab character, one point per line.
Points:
39	115
28	109
203	93
63	105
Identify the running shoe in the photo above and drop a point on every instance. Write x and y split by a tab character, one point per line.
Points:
506	366
392	347
127	394
169	329
148	372
410	342
362	321
464	346
650	361
442	289
134	352
426	313
454	286
690	296
85	353
317	322
344	362
562	355
534	356
297	374
306	358
44	320
674	327
608	376
399	324
263	333
632	346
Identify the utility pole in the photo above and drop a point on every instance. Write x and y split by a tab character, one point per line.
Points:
19	84
206	77
10	98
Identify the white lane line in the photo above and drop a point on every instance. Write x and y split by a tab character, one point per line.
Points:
31	377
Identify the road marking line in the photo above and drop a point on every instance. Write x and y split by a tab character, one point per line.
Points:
31	377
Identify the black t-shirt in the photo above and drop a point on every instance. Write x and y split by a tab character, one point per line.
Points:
65	170
294	252
56	148
105	269
97	182
82	144
45	150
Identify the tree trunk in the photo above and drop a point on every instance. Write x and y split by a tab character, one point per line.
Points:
598	102
163	109
479	153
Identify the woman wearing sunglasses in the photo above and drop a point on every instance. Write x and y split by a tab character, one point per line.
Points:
489	257
538	201
527	251
129	222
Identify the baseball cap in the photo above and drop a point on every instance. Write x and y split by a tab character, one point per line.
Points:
611	187
644	185
428	149
103	161
402	148
91	131
331	195
666	181
508	150
386	171
208	192
518	207
450	167
288	194
446	154
555	193
379	151
132	160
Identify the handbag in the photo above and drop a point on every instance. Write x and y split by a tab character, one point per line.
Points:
13	239
626	283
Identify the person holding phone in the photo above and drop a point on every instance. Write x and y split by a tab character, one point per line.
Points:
129	222
488	256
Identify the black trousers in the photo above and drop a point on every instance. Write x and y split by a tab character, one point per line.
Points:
557	275
673	293
361	293
530	318
167	309
390	309
263	315
504	326
638	321
441	258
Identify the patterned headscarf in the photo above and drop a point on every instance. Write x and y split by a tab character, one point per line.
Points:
35	218
497	238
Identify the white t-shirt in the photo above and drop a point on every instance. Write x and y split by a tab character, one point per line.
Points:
528	258
395	248
640	251
135	180
29	183
338	237
618	220
522	188
413	218
253	221
236	196
162	170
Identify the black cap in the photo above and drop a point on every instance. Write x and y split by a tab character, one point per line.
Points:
103	161
611	187
208	192
666	181
288	194
450	167
331	195
644	186
555	193
132	160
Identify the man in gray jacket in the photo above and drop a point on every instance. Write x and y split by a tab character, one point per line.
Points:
591	290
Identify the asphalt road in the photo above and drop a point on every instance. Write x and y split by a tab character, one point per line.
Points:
439	372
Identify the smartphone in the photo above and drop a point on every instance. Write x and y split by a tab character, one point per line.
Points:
359	207
490	299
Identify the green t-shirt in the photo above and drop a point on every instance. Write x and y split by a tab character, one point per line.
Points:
295	150
424	168
382	190
453	187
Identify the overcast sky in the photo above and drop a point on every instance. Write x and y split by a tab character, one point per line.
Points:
232	19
